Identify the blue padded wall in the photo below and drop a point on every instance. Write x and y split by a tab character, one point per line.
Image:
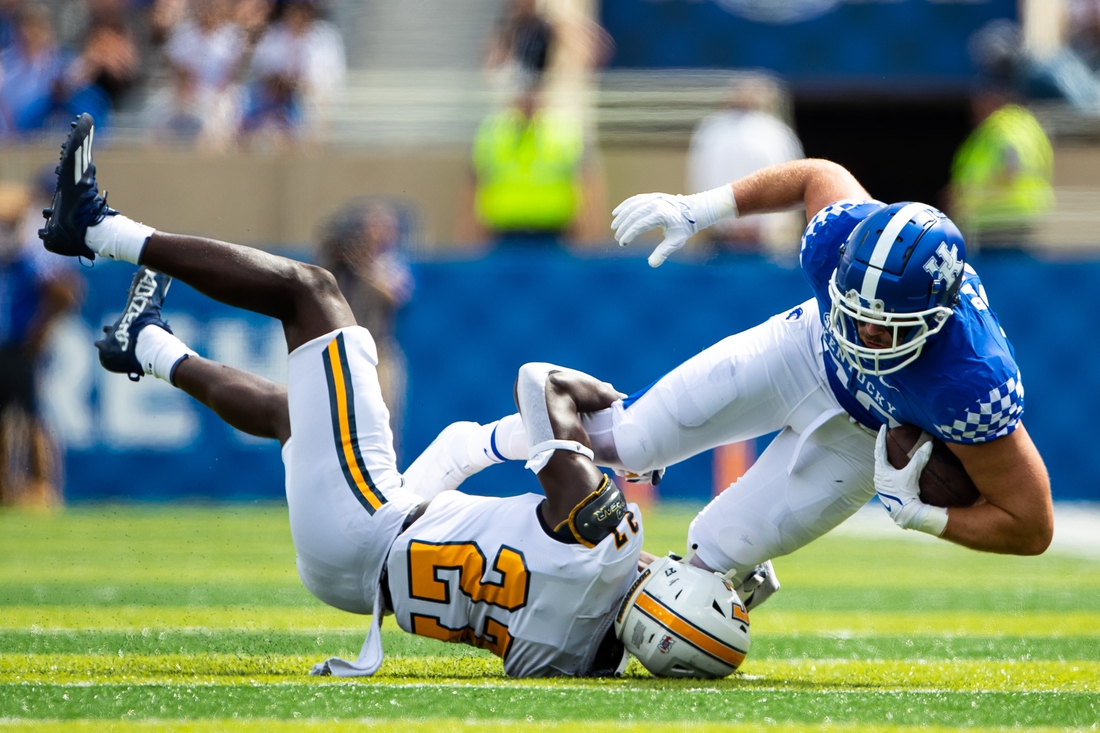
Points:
471	325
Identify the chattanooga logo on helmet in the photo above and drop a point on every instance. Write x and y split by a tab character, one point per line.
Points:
894	287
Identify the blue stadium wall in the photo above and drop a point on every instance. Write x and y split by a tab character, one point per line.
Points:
471	325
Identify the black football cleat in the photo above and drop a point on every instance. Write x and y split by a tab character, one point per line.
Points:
77	204
116	348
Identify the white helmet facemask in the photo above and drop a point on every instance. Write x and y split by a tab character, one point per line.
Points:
909	331
682	621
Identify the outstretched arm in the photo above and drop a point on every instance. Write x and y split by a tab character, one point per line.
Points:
811	183
249	403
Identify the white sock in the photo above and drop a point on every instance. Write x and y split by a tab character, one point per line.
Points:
504	440
160	352
118	238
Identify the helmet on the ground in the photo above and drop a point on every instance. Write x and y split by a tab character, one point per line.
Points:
682	621
900	269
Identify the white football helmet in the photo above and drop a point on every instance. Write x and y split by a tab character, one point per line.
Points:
682	621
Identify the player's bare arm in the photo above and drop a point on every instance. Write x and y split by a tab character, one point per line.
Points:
811	183
1017	516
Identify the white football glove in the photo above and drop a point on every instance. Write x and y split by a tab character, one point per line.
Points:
899	489
679	216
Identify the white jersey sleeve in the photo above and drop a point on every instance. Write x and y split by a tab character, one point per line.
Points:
484	571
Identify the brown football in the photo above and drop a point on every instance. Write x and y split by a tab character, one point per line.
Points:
944	481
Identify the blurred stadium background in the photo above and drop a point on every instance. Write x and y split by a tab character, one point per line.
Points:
211	123
455	163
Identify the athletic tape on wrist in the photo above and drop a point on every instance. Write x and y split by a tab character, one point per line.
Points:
541	453
931	520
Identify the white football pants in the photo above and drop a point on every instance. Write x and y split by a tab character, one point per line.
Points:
816	473
346	497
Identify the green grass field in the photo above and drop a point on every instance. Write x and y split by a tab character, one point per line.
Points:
189	618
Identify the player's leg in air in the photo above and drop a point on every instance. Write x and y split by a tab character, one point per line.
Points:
345	494
332	364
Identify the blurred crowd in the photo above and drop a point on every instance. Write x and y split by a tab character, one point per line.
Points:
210	72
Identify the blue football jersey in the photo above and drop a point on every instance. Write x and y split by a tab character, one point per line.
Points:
965	386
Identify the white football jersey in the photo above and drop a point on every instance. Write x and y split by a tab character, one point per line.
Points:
484	571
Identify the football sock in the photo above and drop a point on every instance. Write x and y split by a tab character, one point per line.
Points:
160	352
118	238
503	440
451	458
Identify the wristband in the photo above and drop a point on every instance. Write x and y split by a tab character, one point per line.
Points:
930	520
713	206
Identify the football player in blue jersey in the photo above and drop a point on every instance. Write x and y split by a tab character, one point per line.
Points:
899	331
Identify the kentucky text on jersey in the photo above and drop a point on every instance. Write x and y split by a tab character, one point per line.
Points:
965	387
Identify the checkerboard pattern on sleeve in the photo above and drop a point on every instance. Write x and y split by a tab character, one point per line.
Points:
996	415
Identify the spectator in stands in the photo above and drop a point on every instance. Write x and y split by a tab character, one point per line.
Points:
37	91
192	115
110	58
527	41
32	65
522	39
1083	26
360	245
206	53
9	22
209	45
37	287
1003	60
743	138
1001	175
298	71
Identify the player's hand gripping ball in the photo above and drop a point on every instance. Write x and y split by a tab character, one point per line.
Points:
943	482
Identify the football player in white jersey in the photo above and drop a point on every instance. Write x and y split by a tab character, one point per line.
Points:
899	331
547	583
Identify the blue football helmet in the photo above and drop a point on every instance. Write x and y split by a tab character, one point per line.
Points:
901	269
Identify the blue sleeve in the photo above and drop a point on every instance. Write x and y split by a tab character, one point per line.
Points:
824	234
990	416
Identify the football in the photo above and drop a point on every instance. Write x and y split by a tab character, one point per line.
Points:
943	482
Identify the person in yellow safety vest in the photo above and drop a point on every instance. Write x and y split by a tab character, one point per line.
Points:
532	182
1000	177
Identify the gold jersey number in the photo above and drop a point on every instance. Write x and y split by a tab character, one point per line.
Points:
427	559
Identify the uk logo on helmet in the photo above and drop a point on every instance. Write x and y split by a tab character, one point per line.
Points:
948	267
666	644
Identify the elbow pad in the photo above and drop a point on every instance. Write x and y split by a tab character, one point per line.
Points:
596	517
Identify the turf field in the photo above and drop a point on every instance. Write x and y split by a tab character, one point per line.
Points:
190	618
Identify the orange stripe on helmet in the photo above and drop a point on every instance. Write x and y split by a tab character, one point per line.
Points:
691	634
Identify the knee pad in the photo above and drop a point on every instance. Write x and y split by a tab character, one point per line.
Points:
595	517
